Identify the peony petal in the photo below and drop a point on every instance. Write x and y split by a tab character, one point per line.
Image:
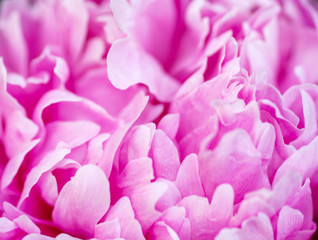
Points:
165	156
25	224
222	204
289	222
138	171
236	161
310	116
171	197
35	236
137	145
95	148
141	67
49	188
197	211
185	230
174	217
254	228
132	113
124	213
108	230
188	179
14	164
169	124
72	133
7	225
46	164
302	161
143	201
83	201
161	231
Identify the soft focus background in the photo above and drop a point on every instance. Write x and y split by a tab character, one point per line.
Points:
158	119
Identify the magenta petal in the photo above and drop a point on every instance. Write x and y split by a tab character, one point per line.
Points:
83	201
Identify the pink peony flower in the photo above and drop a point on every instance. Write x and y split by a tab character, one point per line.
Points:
134	119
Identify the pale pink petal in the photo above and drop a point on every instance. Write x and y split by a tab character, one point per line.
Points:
138	171
25	224
254	228
72	133
6	225
289	222
197	211
310	122
83	201
236	161
46	164
144	200
95	148
188	179
141	67
123	12
161	231
302	161
49	188
131	114
94	85
13	49
169	124
14	164
124	213
137	145
222	204
171	197
73	14
35	236
185	230
174	217
165	156
108	230
64	236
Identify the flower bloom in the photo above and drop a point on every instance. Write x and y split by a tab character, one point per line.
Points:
158	119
